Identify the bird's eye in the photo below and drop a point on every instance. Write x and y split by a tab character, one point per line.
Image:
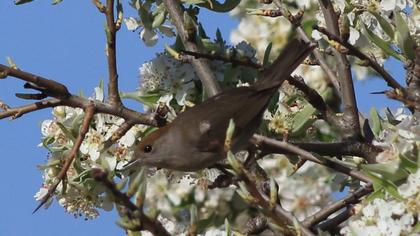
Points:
147	148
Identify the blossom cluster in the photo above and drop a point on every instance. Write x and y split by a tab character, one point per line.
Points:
396	211
389	216
79	194
170	195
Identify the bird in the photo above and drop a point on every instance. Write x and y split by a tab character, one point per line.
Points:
194	140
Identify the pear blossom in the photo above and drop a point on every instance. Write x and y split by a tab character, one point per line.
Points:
149	37
147	34
131	23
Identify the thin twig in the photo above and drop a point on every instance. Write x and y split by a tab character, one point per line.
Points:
60	92
234	61
19	111
201	66
120	15
120	111
52	88
153	226
353	148
333	224
111	32
262	141
351	198
279	215
4	106
121	131
331	75
362	56
315	99
404	99
350	111
99	5
89	112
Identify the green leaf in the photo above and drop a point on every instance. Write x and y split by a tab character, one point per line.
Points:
47	141
307	26
305	118
82	177
416	228
214	5
386	26
408	164
149	130
267	54
219	37
380	193
66	132
20	2
390	170
380	182
135	181
210	221
190	26
101	84
376	121
145	16
172	52
405	41
382	44
134	233
390	117
230	74
55	2
228	229
159	19
202	32
77	164
193	1
149	99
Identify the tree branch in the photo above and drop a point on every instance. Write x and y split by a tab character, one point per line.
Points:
99	5
352	198
101	107
334	223
313	97
111	40
200	65
321	60
356	52
59	91
118	134
224	59
19	111
153	226
351	115
51	87
265	143
279	215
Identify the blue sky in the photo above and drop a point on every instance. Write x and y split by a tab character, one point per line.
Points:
66	43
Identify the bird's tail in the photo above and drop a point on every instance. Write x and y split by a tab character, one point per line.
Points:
289	59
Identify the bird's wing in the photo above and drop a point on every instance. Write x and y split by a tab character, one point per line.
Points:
244	105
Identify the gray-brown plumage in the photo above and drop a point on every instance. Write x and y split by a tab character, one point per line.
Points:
195	139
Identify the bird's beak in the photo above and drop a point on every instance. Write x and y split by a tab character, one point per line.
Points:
130	164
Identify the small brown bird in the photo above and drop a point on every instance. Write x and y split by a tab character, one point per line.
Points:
195	139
